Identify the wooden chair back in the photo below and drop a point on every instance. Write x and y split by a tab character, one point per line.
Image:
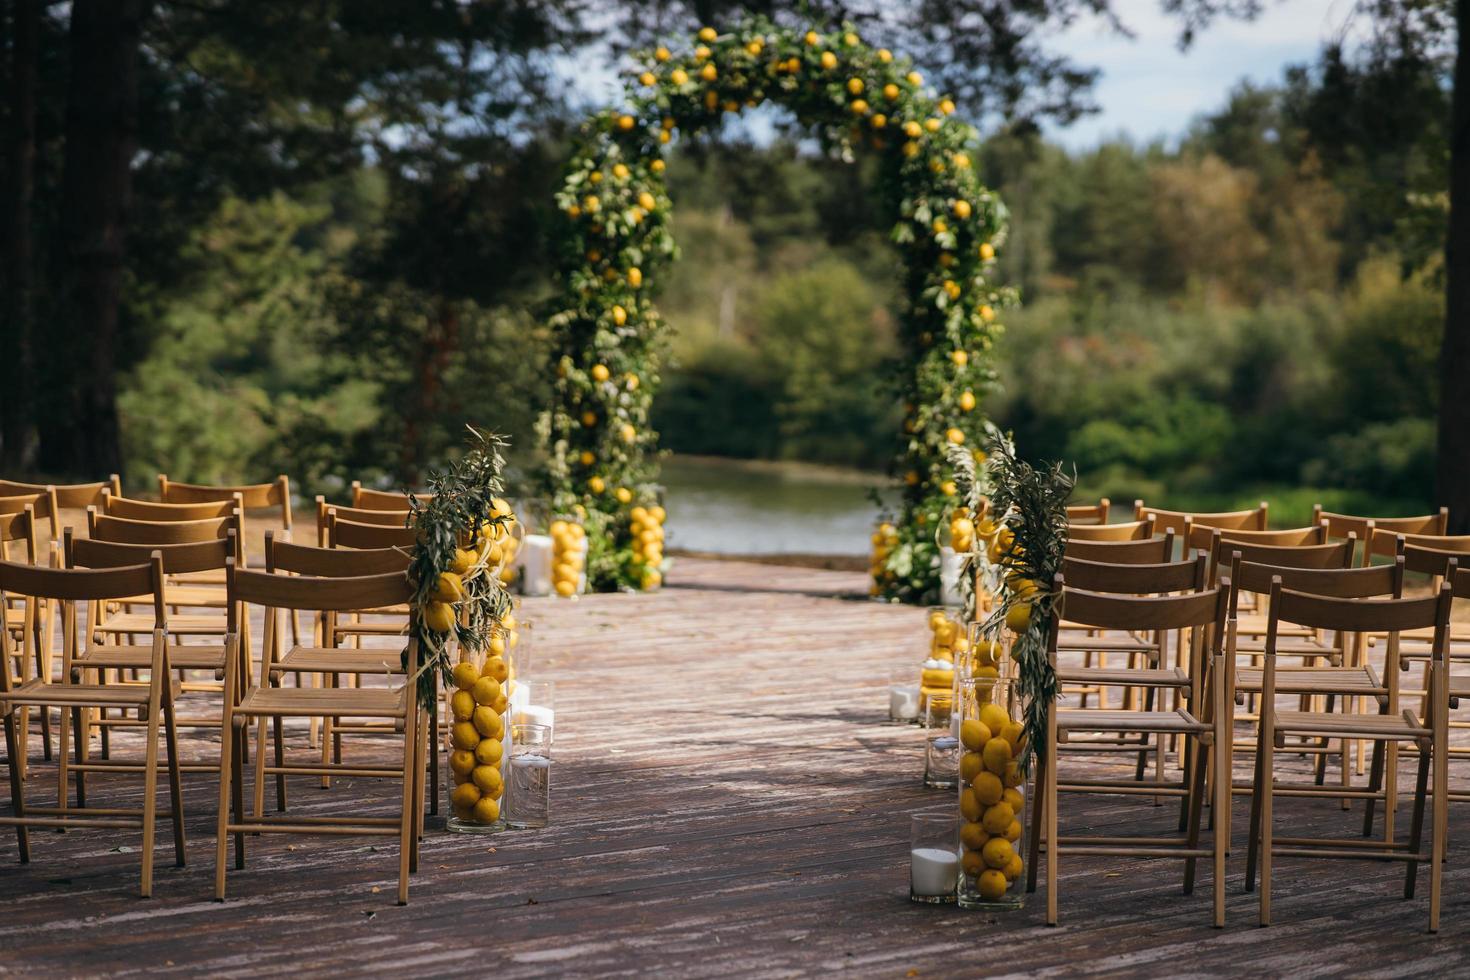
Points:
1151	551
1202	536
354	534
360	515
1179	521
178	559
300	559
18	527
152	510
1089	513
1142	579
1339	583
1438	562
1360	615
122	530
1386	542
1334	554
1341	525
76	496
1129	531
1203	613
254	496
319	593
366	499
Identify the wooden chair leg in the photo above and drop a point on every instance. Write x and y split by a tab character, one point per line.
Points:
228	744
17	784
1052	847
175	784
1196	801
278	725
1416	821
1438	828
1375	782
260	727
1267	790
83	753
1253	839
406	819
237	791
150	786
1220	809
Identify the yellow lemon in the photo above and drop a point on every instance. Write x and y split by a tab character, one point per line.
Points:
879	121
463	705
940	226
465	736
465	675
709	72
946	106
991	884
997	753
972	863
463	560
995	718
829	60
955	436
635	274
646	79
1018	617
974	733
971	765
651	579
987	251
620	171
487	721
1015	799
462	761
486	810
619	315
932	125
967	401
1015	733
439	617
997	852
707	34
1013	832
625	123
486	690
489	752
996	818
497	668
600	372
1012	776
850	39
914	78
988	788
970	805
884	55
465	795
487	778
890	92
811	39
679	77
596	484
587	458
589	419
450	588
960	357
1013	870
855	86
987	313
973	836
566	589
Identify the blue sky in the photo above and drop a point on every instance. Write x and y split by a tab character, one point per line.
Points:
1149	88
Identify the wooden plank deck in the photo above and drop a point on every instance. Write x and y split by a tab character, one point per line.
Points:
728	800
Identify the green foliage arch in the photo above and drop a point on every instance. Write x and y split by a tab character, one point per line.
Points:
609	340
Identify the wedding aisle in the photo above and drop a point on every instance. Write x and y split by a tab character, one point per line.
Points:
728	799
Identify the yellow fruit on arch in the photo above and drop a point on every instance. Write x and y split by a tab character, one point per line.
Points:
707	34
450	588
439	617
657	166
587	458
961	208
967	401
646	201
940	226
646	79
884	55
629	434
679	76
1018	617
890	92
811	39
948	488
626	123
914	78
829	60
624	495
652	578
987	251
565	588
620	171
661	53
913	130
619	315
600	372
946	106
855	86
709	72
597	484
955	436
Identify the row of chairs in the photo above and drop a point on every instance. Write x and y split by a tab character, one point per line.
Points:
175	570
1240	598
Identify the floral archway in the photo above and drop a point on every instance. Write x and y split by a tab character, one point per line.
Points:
608	338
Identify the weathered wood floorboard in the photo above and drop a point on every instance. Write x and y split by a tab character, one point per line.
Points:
728	801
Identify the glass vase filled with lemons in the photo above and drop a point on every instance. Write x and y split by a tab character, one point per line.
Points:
992	789
476	735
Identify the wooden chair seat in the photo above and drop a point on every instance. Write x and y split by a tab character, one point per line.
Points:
1378	727
196	625
1314	680
326	702
1167	722
1124	676
340	660
184	657
38	692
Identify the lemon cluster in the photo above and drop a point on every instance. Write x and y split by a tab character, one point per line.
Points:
884	540
991	801
646	526
961	530
477	738
568	557
608	337
487	551
1003	549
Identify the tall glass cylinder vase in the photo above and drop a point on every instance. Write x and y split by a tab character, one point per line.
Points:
992	792
477	742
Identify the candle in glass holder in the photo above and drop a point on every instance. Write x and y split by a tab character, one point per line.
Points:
903	696
934	858
535	561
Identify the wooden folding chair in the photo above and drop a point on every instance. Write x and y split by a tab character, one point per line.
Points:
1128	531
1441	558
1324	681
275	593
1430	734
113	659
1146	652
355	534
1089	513
329	660
1201	724
18	534
66	587
1179	521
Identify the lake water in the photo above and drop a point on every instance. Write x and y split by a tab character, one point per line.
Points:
752	508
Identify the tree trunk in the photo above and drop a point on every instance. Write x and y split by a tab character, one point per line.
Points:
1452	483
17	256
81	436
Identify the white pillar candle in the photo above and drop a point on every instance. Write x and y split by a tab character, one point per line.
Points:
903	702
949	576
933	871
534	714
534	560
